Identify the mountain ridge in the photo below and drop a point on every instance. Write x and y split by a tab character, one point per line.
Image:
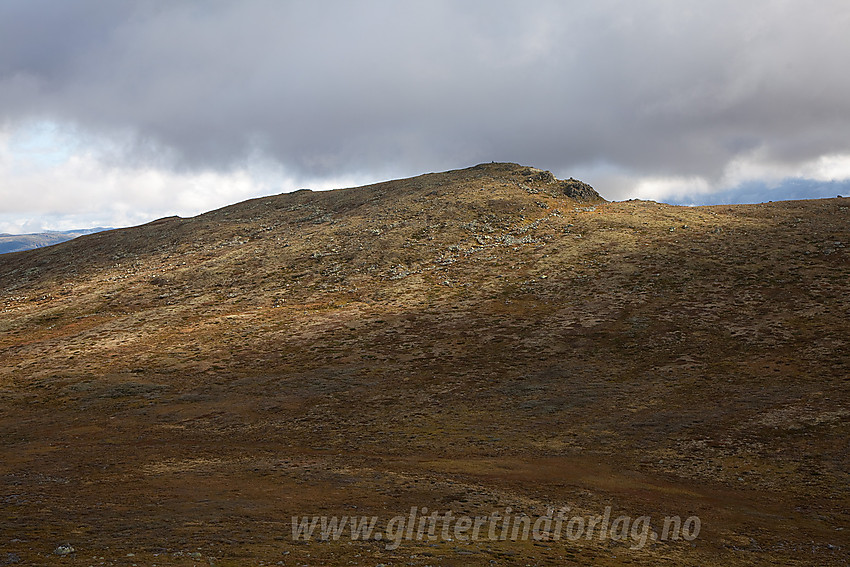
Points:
469	341
318	207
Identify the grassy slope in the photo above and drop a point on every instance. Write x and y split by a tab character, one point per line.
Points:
463	341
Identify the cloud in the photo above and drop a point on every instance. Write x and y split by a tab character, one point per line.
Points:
48	187
684	92
751	177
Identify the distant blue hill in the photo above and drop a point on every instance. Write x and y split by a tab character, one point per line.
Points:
18	242
761	192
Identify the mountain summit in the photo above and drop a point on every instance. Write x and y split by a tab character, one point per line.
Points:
474	341
362	230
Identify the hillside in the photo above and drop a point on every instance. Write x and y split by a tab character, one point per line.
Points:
467	341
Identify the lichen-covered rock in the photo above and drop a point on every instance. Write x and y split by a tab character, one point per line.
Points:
64	549
579	190
533	174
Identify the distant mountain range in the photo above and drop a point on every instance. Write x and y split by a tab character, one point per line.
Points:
18	242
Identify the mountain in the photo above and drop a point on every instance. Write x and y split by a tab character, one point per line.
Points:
467	341
20	242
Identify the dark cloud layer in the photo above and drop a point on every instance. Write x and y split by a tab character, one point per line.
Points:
332	88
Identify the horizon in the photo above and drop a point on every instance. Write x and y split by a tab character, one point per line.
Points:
138	111
745	196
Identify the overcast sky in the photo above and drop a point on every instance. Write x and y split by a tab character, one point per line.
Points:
116	113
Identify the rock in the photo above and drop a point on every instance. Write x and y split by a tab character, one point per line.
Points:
578	190
533	174
64	549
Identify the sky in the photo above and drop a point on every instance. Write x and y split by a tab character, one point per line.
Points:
117	113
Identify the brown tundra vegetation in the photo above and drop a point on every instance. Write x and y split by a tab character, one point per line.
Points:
469	341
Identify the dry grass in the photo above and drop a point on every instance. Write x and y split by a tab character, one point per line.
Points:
463	341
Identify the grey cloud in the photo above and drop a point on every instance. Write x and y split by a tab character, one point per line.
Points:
328	88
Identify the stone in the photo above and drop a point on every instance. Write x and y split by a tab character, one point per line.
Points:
578	190
64	549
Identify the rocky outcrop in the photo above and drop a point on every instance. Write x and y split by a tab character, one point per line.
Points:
572	188
579	190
